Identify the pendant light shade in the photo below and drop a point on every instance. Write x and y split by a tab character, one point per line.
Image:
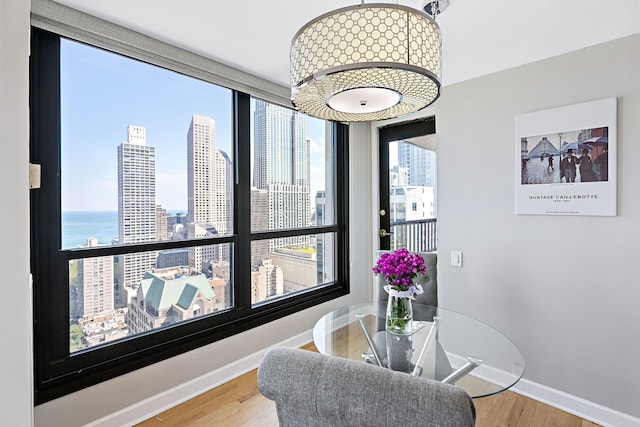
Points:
366	62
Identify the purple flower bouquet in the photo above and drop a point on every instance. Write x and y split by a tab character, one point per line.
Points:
399	269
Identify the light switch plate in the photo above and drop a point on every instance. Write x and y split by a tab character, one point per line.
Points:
456	258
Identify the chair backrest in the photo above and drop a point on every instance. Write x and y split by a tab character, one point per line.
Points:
315	390
429	281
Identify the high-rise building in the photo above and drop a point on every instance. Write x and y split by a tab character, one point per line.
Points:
208	190
281	166
266	280
420	163
95	283
321	239
259	222
136	206
281	149
161	223
200	256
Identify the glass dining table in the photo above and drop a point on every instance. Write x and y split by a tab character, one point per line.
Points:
443	345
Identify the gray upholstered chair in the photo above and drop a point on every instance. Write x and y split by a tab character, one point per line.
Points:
315	390
429	282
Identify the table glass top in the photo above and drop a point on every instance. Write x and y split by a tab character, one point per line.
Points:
445	346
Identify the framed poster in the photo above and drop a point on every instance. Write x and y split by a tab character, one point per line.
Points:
566	160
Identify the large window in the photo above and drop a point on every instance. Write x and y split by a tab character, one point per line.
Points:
173	212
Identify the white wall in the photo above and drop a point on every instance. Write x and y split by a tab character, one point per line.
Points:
15	316
565	289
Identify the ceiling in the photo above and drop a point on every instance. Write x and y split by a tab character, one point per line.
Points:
479	37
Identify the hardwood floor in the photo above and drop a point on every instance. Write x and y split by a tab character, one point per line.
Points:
238	403
511	409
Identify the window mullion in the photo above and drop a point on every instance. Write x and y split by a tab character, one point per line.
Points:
340	142
242	211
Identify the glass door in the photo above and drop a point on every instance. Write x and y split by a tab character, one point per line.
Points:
408	183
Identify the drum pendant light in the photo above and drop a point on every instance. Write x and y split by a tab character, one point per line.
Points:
367	62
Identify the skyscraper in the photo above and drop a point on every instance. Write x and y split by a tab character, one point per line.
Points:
136	205
321	238
95	283
259	222
161	223
281	152
208	190
420	163
281	166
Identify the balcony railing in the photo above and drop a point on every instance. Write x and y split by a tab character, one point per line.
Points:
417	236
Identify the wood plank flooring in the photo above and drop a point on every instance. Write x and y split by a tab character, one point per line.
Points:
238	403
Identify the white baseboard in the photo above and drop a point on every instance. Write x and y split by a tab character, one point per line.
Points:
147	408
161	402
558	399
575	405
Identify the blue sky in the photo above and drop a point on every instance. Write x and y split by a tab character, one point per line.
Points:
103	93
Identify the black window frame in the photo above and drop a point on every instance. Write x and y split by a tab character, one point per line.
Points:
56	371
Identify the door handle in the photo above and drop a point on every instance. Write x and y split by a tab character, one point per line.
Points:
384	233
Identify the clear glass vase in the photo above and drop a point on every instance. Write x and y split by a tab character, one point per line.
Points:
399	315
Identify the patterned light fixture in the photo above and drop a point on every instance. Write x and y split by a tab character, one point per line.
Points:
367	62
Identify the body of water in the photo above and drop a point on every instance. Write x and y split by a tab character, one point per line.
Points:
77	227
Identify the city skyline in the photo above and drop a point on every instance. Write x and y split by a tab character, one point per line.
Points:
129	92
145	296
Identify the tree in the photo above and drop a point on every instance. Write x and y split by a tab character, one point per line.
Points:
75	338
